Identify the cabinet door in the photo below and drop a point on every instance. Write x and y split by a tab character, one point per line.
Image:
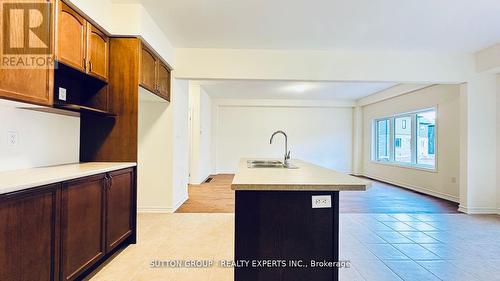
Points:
97	52
71	37
13	81
82	225
163	81
38	91
29	231
119	206
148	70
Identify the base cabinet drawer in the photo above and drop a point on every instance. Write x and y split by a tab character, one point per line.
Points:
29	231
82	225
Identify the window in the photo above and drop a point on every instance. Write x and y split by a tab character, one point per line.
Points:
407	139
426	138
383	140
402	133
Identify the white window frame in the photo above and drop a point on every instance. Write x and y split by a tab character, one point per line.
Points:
414	139
375	155
412	134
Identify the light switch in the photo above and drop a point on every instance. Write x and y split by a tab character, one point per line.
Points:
321	201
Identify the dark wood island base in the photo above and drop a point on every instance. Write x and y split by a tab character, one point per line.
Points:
278	236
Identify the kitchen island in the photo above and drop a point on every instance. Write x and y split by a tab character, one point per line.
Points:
287	221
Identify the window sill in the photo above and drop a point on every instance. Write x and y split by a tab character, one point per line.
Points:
412	167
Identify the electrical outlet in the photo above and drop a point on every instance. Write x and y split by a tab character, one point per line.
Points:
321	201
62	94
12	138
453	180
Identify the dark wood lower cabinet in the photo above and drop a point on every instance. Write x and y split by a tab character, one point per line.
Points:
63	231
29	231
120	200
82	224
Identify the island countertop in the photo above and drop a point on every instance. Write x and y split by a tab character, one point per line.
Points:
306	176
17	180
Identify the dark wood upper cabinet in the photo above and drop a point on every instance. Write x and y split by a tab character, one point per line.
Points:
154	73
82	225
29	233
38	91
148	69
163	81
120	200
80	44
97	53
13	81
71	37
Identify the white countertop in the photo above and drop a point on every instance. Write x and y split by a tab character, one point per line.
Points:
23	179
307	176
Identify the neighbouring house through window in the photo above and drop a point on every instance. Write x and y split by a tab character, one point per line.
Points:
407	139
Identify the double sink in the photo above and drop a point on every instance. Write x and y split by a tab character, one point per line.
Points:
268	164
274	163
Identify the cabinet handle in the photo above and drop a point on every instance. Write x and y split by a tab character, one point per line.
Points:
110	182
90	66
107	182
84	63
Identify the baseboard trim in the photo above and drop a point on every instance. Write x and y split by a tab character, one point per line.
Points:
417	189
155	210
180	202
479	210
162	210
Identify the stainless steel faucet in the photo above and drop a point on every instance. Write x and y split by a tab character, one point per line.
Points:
286	161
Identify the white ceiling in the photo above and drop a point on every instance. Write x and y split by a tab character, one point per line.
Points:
257	89
430	25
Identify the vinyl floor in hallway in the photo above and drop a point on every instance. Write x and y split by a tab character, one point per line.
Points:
217	197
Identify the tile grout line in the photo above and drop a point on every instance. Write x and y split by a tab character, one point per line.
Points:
414	261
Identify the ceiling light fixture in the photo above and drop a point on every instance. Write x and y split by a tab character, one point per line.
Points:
299	88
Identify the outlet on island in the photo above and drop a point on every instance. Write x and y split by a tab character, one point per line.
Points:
321	201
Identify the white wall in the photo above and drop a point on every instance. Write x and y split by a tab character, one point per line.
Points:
443	183
488	59
480	92
498	143
154	154
200	106
180	146
321	135
44	139
357	141
100	11
163	150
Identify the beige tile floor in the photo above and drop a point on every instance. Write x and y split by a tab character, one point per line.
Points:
380	247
